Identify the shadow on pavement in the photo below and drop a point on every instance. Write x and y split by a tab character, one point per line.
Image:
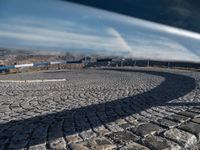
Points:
75	120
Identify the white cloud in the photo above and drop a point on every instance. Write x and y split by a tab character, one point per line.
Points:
90	30
161	49
143	23
31	35
109	43
119	39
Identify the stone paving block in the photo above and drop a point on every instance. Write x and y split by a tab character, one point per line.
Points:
101	130
55	136
163	110
123	137
191	127
196	120
166	123
195	110
134	146
58	144
145	129
38	147
95	122
179	118
39	134
187	140
3	142
17	144
159	143
146	114
170	109
132	120
20	139
114	127
189	114
88	134
120	121
94	144
79	146
82	126
196	107
160	114
101	144
141	118
126	126
73	138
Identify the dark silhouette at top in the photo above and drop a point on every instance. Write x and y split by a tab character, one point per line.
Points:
182	14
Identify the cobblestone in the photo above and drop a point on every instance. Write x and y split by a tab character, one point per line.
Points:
189	114
167	123
96	143
187	140
192	127
178	118
146	129
159	143
134	146
196	120
123	137
130	108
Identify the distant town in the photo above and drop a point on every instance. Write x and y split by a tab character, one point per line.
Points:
21	61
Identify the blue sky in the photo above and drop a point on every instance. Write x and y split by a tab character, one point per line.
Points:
61	26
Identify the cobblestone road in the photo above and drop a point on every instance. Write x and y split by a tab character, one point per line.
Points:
126	109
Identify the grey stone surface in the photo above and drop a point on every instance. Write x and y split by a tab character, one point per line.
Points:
146	129
159	143
95	143
166	123
74	138
196	120
192	127
99	109
189	114
123	137
88	134
178	118
134	146
187	140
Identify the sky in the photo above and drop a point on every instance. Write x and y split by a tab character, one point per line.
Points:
59	26
179	13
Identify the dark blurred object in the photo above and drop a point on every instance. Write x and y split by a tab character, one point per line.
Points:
3	69
178	13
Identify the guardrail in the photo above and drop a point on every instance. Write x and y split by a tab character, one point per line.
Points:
32	81
37	64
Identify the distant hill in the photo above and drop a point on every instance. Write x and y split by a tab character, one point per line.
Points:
11	56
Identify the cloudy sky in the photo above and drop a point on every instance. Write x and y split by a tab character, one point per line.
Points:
62	26
179	13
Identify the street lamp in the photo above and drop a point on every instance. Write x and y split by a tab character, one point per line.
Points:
122	62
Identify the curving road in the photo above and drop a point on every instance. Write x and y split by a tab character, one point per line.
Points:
111	108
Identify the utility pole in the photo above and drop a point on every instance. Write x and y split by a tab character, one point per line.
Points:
122	62
168	64
147	63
